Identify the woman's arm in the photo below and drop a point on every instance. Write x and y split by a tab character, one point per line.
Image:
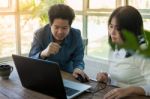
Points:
123	92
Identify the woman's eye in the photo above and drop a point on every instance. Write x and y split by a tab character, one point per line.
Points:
110	26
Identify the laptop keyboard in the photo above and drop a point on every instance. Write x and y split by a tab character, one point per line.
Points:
70	91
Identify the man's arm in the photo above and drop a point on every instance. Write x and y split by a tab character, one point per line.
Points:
36	47
78	54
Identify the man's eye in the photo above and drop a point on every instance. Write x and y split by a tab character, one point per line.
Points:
56	27
65	28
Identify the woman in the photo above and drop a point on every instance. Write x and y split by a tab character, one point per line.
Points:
130	70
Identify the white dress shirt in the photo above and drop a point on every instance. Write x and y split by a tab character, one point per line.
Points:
130	71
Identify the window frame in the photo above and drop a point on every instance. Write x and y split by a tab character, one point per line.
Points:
85	12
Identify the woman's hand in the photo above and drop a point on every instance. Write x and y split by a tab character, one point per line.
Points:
123	92
117	93
102	76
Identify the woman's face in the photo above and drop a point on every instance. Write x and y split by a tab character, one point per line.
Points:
114	33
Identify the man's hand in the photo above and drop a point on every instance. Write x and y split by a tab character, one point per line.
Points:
78	71
52	48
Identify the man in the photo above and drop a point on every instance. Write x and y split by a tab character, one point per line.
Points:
59	42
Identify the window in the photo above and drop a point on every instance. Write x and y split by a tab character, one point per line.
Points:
97	36
97	17
98	4
7	28
143	6
7	35
140	4
28	27
146	24
7	5
97	33
75	4
77	23
13	27
4	4
18	22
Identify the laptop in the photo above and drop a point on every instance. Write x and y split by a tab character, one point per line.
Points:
45	77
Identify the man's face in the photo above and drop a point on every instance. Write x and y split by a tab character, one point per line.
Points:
60	28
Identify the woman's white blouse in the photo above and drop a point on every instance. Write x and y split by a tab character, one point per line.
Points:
131	71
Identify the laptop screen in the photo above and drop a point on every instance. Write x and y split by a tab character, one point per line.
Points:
39	75
45	77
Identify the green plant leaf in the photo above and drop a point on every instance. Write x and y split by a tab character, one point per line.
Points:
146	50
38	10
130	42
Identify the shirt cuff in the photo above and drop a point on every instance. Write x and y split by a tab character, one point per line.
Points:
146	89
79	67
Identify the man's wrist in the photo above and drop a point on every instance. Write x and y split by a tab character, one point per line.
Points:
79	68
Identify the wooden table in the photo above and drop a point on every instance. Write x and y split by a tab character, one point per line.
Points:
12	89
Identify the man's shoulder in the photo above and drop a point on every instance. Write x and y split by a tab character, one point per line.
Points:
75	31
43	29
74	35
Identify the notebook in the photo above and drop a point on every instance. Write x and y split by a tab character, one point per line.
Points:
45	77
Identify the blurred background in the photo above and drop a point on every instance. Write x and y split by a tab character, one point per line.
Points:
19	19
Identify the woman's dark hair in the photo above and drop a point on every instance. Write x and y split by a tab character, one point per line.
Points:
128	18
61	11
